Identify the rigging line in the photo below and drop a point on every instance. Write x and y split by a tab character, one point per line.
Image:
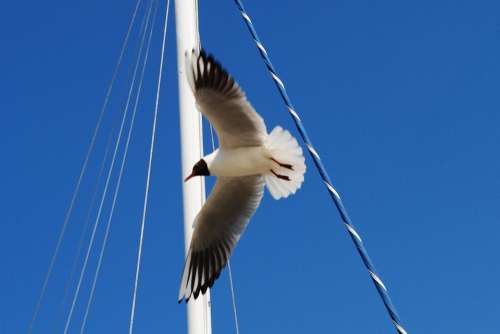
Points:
230	272
358	243
236	322
122	167
103	197
87	219
148	179
212	137
82	171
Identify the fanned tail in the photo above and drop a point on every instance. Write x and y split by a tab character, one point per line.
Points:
287	175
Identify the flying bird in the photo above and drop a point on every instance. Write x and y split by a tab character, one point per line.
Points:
247	159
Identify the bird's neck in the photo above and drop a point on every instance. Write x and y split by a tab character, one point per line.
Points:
209	159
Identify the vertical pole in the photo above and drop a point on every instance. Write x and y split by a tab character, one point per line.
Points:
186	15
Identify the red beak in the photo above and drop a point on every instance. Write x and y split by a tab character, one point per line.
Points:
190	176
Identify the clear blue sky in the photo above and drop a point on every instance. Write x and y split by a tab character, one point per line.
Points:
401	100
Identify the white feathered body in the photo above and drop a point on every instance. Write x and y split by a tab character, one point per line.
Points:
241	161
280	146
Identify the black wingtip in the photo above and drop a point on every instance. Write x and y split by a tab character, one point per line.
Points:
209	73
186	299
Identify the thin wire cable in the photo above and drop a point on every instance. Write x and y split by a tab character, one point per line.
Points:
231	285
101	205
379	285
82	171
86	225
148	179
212	137
120	175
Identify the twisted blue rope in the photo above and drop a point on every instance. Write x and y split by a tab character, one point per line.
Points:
379	285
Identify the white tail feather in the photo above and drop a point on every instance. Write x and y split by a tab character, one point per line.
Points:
284	148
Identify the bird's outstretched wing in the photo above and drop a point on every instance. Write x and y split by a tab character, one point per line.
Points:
218	227
223	102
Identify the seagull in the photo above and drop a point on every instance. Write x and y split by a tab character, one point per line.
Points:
247	159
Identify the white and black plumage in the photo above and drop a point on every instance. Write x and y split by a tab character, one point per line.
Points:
248	158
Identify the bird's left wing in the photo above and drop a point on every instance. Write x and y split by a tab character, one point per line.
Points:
218	227
223	102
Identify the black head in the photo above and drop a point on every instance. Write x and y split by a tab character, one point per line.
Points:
199	169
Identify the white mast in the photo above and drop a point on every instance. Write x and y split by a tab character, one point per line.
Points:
186	11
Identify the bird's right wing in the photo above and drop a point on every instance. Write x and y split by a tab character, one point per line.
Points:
218	227
223	102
